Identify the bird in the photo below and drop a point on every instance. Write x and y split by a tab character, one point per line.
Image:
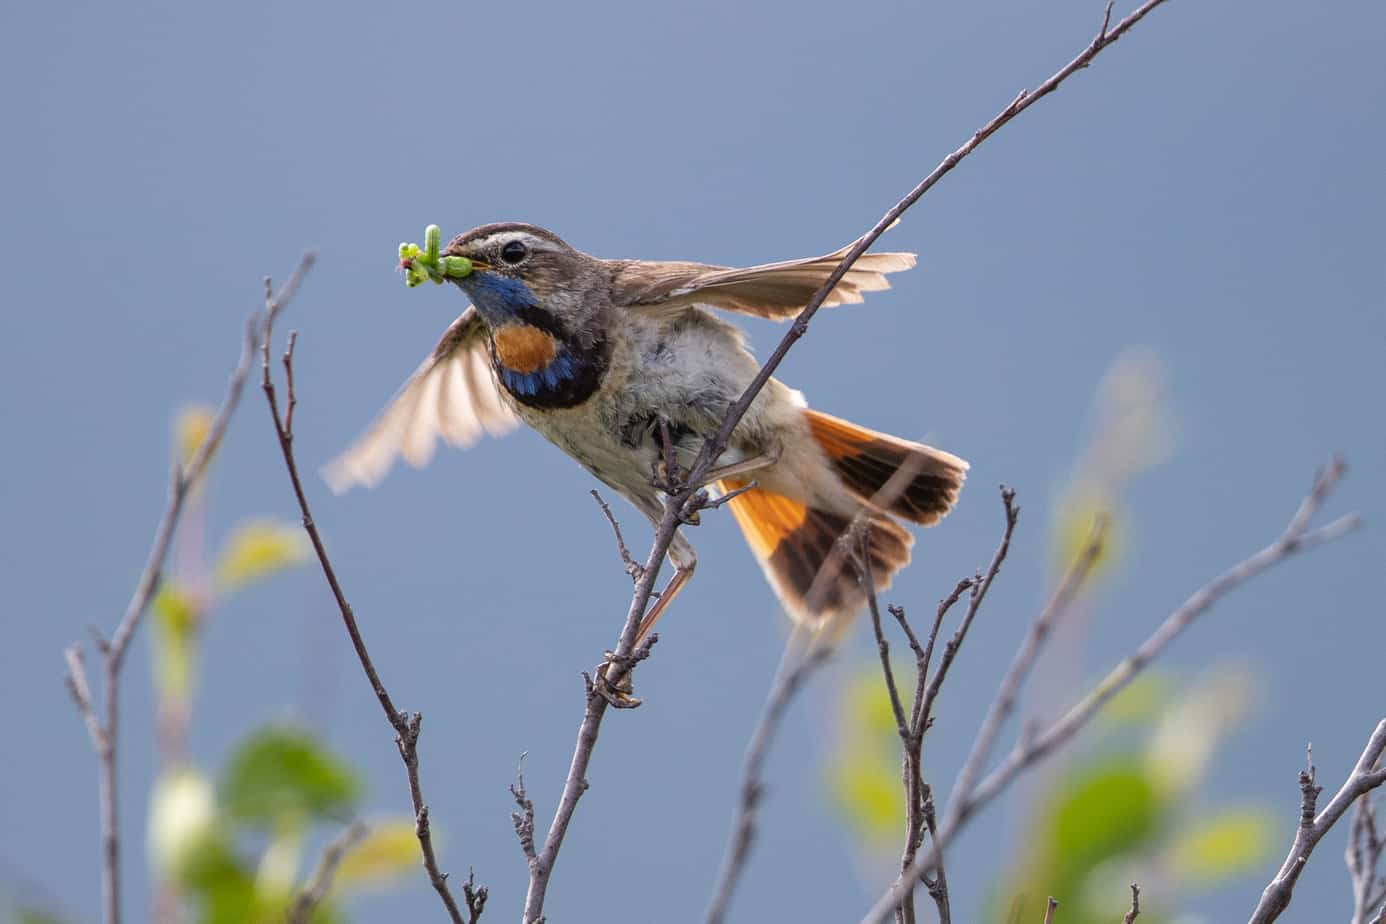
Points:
624	363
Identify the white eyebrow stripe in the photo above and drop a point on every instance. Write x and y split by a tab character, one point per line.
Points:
501	238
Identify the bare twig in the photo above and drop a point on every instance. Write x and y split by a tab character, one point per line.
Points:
1296	538
104	731
1050	908
1029	749
794	669
1363	857
1009	690
1135	910
632	567
677	504
406	726
976	594
320	883
919	805
1313	825
938	887
524	818
790	677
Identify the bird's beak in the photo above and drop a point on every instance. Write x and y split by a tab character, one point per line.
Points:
473	262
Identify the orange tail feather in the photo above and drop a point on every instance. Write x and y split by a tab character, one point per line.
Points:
865	460
794	545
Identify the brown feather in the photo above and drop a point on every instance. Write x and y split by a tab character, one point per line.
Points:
776	291
453	394
866	459
793	544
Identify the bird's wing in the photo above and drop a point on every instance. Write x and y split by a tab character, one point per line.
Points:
453	394
772	290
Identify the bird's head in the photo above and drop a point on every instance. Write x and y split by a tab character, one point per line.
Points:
521	273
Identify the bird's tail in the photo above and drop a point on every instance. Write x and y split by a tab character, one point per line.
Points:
794	542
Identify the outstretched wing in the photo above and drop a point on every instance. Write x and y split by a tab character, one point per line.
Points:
454	395
772	290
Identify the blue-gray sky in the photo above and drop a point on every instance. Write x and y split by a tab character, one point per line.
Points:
1211	188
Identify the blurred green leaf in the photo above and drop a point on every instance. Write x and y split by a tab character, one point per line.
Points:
258	549
389	851
190	429
281	776
224	888
1074	522
177	614
1107	810
36	916
867	707
183	823
1139	702
866	789
1231	842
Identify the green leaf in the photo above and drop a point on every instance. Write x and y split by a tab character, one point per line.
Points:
190	429
868	710
389	851
282	776
1107	810
259	549
867	793
177	616
224	887
1226	845
1080	510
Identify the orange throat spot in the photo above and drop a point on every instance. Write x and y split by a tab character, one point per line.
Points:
524	348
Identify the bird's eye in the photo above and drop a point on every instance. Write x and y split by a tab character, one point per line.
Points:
514	252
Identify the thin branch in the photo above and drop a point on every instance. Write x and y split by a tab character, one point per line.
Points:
1053	905
1363	857
1023	100
632	567
976	595
681	503
938	888
1135	910
1365	777
1292	541
1009	691
1030	749
883	649
919	805
790	678
104	732
406	726
320	883
524	818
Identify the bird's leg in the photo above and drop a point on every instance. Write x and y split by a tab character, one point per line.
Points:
685	561
731	470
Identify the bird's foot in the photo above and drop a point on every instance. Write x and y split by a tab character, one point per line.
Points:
619	693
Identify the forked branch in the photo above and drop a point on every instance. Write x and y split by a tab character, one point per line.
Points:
405	725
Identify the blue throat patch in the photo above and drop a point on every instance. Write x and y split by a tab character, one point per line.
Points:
569	378
561	369
499	299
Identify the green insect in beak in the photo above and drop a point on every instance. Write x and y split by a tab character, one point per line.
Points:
421	264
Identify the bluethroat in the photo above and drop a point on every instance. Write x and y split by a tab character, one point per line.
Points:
614	361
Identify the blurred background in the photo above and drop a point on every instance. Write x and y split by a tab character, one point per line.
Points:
1158	291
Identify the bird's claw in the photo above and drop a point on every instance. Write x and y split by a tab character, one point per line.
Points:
618	695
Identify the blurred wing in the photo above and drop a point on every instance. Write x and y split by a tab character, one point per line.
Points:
453	395
772	290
